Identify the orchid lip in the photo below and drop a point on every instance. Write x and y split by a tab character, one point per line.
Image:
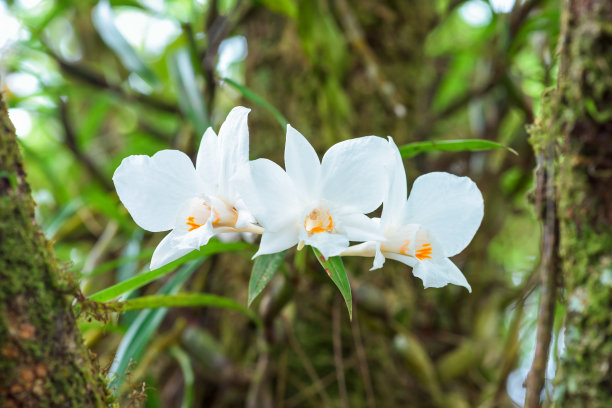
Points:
220	214
319	220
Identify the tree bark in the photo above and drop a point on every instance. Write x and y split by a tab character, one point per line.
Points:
576	121
43	361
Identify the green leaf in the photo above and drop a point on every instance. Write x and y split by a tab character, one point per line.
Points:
144	326
185	363
138	281
264	268
185	300
287	7
335	269
253	97
190	98
55	224
103	20
412	149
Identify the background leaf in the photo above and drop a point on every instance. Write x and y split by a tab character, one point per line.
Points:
103	20
144	326
213	247
264	268
253	97
185	300
335	270
412	149
189	96
188	378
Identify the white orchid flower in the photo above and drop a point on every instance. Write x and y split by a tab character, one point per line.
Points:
438	221
166	192
321	204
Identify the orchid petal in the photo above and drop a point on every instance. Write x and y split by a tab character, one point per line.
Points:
328	244
358	227
302	163
207	161
167	251
395	198
277	241
268	193
405	259
379	258
449	207
234	149
196	238
437	273
154	189
244	215
353	173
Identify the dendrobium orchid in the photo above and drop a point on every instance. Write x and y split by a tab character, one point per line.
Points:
315	203
438	221
166	191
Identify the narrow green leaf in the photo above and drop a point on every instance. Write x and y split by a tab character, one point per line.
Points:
152	392
138	281
253	97
191	100
335	269
412	149
185	363
54	225
103	20
185	300
264	268
141	330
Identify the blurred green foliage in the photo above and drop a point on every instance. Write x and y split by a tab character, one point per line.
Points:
99	81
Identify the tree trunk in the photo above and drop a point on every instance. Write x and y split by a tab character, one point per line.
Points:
576	125
44	362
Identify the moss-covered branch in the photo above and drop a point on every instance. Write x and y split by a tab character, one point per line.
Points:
577	119
44	362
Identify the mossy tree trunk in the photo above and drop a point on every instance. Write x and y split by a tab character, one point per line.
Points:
576	123
43	360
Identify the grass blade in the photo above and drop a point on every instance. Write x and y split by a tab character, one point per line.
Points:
190	98
253	97
264	268
412	149
185	300
138	281
144	326
185	364
335	269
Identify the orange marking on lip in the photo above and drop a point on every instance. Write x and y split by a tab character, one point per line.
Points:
217	217
318	228
424	252
405	248
191	222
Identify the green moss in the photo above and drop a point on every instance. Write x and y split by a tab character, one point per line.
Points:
576	119
44	362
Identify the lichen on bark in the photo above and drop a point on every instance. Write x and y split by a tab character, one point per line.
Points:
43	360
